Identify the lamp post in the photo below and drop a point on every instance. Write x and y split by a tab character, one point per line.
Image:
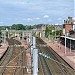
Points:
70	45
55	32
4	37
65	43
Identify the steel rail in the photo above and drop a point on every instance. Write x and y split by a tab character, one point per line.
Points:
54	57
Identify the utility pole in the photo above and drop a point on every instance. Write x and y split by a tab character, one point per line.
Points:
35	62
35	58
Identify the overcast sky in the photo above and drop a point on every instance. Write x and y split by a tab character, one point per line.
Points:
35	11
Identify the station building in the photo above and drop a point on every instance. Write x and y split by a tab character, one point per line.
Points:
69	33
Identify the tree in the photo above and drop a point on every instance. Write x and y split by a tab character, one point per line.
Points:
18	27
59	32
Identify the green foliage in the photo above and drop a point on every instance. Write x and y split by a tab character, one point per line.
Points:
46	33
59	32
21	27
17	27
50	30
51	27
2	27
52	33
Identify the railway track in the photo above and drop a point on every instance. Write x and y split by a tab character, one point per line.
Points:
56	64
14	60
62	65
5	61
45	67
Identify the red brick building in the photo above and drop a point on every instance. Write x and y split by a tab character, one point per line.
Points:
68	25
67	28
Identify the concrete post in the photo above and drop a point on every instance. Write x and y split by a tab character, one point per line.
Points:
35	62
18	35
26	37
8	34
40	34
35	57
36	33
31	42
43	33
22	35
34	42
15	33
29	38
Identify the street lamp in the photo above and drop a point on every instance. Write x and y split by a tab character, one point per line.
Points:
4	36
70	45
65	43
55	32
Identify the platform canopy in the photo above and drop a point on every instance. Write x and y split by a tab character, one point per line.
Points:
69	37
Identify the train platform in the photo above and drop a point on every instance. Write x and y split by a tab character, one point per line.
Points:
69	57
3	48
